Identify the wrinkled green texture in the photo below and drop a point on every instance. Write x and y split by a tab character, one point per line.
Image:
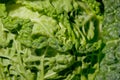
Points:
50	39
110	64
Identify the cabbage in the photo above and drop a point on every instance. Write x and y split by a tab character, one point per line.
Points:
50	39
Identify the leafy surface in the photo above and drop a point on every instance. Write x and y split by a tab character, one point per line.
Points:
59	40
109	66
